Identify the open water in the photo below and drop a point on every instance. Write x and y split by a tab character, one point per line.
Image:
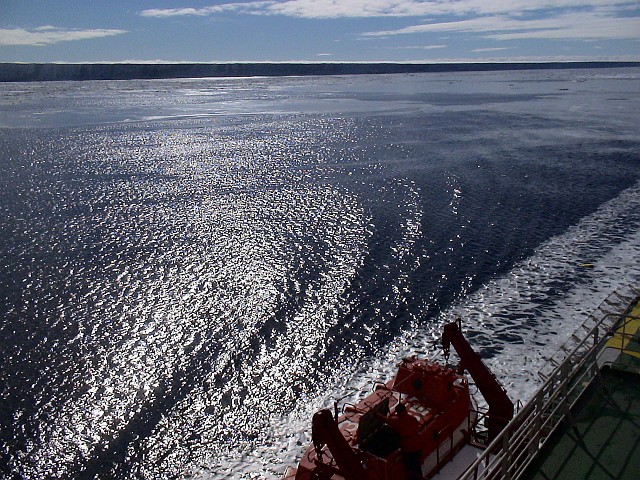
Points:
190	268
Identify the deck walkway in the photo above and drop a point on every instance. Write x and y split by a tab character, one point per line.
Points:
600	439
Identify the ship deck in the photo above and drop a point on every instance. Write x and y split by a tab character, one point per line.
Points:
600	438
584	421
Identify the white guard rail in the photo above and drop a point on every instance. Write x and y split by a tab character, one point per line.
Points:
570	371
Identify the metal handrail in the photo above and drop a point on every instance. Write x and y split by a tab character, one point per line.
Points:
513	450
624	296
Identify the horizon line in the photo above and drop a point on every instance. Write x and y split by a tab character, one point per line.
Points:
329	62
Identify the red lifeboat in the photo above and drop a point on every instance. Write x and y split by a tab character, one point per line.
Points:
407	429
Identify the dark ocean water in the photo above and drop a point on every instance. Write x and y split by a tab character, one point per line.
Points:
189	268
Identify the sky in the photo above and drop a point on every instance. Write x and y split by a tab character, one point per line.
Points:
318	30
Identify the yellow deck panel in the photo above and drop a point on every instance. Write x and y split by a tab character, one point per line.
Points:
625	332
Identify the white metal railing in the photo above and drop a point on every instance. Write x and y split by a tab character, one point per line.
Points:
509	455
602	320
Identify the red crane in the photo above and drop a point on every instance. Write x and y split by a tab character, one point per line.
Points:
500	406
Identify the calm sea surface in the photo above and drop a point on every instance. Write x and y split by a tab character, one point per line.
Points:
190	268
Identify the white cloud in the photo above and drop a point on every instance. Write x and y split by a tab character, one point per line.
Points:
575	25
178	12
352	8
415	8
492	49
389	8
49	35
495	19
421	47
246	7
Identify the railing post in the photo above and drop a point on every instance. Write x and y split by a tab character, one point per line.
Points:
506	454
537	425
565	383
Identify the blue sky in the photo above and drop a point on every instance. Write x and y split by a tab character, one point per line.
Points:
318	30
